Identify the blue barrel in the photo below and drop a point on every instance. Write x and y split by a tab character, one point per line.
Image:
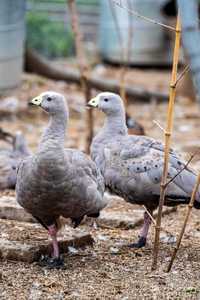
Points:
149	45
12	34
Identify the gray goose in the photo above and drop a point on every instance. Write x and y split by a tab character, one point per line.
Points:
56	181
132	165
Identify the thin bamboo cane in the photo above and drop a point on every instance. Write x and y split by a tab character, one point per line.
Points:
182	74
83	68
168	132
136	14
189	208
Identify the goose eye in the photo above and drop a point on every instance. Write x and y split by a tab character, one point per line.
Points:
106	99
49	99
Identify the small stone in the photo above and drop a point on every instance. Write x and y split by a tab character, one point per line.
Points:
168	239
114	250
35	291
11	210
102	237
72	250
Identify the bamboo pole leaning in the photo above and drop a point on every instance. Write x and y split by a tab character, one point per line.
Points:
167	138
83	68
189	209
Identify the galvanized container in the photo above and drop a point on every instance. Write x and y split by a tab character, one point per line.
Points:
149	44
12	33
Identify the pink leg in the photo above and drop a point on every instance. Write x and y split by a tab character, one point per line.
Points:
144	232
53	234
146	225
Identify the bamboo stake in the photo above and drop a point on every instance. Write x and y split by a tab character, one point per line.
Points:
83	68
189	208
168	132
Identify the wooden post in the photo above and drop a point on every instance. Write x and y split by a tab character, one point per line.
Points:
168	132
83	68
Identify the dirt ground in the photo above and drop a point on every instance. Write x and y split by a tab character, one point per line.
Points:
110	270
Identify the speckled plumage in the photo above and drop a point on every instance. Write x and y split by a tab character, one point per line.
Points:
132	165
132	168
57	181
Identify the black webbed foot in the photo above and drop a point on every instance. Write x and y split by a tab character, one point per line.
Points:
51	262
141	243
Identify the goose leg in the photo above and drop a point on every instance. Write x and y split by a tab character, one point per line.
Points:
55	261
52	230
144	232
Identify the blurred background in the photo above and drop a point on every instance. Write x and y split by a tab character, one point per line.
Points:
38	53
123	46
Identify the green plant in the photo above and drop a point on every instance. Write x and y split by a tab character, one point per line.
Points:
50	38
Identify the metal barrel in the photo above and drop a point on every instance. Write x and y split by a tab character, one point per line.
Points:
12	35
149	45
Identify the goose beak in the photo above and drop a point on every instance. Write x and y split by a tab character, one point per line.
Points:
94	102
36	101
